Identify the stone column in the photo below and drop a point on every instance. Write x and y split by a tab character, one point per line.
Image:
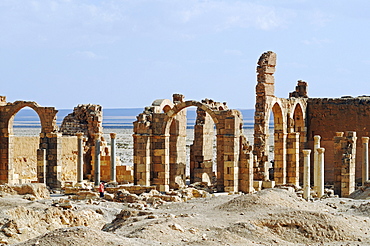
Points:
316	161
80	156
365	159
280	168
160	162
292	158
320	173
306	175
41	165
113	157
97	160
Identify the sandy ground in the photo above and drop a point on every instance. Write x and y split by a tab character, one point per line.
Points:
268	217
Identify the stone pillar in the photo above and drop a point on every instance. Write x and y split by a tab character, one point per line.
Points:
365	159
265	91
306	175
320	172
142	159
280	168
292	158
53	141
316	145
97	160
220	163
160	162
41	165
349	164
113	157
231	164
80	159
245	166
344	163
338	155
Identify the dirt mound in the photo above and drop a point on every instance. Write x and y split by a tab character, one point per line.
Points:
39	191
363	209
265	199
307	227
22	223
83	236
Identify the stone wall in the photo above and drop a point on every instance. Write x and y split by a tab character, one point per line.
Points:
25	157
86	119
327	116
69	158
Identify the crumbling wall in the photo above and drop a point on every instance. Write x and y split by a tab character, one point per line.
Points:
85	118
289	126
69	158
25	157
326	116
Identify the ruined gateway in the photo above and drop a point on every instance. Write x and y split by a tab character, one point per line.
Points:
339	126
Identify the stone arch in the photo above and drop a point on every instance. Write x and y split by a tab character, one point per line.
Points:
162	105
168	125
279	144
48	141
152	141
299	118
299	126
279	118
178	107
23	150
47	115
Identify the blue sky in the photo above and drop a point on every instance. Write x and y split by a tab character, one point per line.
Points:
127	53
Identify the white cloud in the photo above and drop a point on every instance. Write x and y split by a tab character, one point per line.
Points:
220	15
316	41
87	23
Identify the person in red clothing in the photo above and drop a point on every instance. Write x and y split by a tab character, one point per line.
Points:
101	189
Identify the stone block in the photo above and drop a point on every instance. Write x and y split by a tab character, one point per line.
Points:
268	184
257	185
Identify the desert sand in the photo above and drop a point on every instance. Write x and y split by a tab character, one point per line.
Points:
29	216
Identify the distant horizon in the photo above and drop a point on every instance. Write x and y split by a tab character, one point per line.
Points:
116	117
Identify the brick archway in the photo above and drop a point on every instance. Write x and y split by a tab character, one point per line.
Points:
152	136
49	139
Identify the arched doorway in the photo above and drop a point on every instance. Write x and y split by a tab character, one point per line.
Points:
153	143
49	141
279	149
299	127
25	141
201	162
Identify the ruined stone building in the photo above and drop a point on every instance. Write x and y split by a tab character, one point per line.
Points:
340	123
335	129
159	139
159	146
56	157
